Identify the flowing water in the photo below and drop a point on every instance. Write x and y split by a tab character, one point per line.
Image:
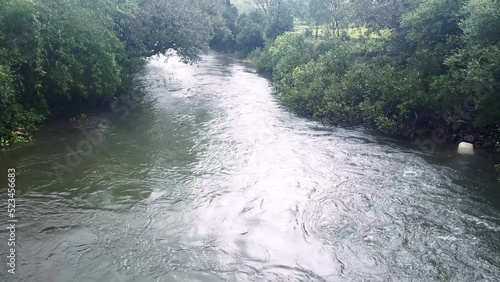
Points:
211	180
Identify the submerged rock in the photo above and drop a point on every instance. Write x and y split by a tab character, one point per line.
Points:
466	148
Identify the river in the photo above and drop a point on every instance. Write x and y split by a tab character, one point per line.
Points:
212	180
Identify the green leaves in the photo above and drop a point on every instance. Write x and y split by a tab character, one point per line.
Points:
61	57
278	14
475	66
482	25
251	30
439	54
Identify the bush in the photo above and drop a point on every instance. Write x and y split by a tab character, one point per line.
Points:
12	114
62	57
441	55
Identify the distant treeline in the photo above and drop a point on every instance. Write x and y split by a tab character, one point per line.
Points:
246	32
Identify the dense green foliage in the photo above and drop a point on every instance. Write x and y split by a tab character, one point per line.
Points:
64	57
243	33
60	57
440	68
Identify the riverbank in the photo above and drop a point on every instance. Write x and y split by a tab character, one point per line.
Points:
65	58
379	83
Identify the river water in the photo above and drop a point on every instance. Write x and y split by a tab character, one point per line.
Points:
211	180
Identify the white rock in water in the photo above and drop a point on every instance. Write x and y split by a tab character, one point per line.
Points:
466	148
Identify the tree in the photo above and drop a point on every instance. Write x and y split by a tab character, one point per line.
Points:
251	32
317	14
225	33
60	57
279	16
161	25
336	14
380	14
474	69
332	13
